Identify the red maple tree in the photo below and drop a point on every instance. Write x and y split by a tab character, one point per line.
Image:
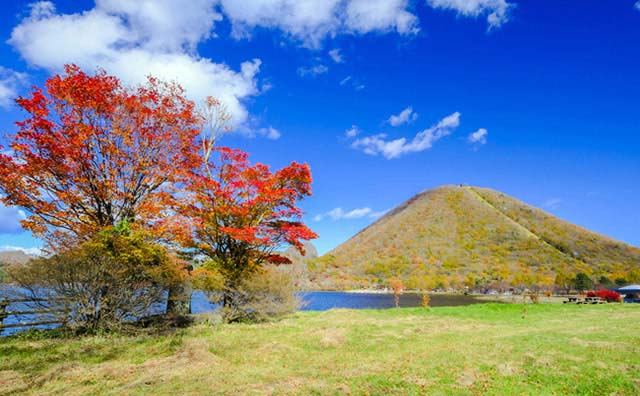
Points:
92	153
242	214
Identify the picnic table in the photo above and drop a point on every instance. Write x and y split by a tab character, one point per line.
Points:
586	300
573	300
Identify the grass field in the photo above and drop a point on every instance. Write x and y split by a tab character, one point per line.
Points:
487	349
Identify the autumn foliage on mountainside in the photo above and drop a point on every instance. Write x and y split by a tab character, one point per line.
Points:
458	237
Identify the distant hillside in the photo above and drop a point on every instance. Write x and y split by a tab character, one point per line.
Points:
14	257
298	267
455	236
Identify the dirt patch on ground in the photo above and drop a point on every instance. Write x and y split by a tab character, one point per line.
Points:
11	382
332	338
598	344
506	369
275	347
467	378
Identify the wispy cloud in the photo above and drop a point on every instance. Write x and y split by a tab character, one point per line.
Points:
380	145
312	70
10	83
341	214
406	116
552	203
269	133
497	11
478	137
352	82
637	5
336	55
253	128
352	132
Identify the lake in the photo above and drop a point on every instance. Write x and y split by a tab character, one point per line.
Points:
324	300
312	301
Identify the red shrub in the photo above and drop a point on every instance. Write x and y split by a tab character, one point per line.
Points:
608	295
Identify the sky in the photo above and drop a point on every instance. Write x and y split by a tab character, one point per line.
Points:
382	98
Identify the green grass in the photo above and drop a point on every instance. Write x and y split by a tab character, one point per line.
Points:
487	349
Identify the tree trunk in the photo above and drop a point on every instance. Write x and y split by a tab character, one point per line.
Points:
179	300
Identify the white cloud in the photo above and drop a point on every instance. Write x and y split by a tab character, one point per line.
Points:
252	129
375	215
311	21
340	214
269	133
352	132
497	11
166	24
312	70
345	80
10	82
364	16
10	219
637	5
336	55
552	203
380	145
134	39
406	116
478	137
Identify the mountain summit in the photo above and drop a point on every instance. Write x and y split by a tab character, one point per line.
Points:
456	236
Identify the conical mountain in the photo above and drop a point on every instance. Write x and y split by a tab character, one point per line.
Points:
456	236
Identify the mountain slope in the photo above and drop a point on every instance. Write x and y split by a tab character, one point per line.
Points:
14	257
457	236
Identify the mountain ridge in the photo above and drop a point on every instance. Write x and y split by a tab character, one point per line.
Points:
457	236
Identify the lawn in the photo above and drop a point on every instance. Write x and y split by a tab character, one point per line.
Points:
488	349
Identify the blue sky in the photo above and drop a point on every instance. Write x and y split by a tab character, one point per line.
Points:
383	99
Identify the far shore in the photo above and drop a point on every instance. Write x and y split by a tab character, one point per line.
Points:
504	298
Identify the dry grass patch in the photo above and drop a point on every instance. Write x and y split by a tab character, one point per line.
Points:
463	351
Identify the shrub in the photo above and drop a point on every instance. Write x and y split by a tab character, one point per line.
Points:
534	297
425	300
114	277
266	294
608	295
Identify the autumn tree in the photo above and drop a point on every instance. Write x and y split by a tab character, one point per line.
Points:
242	215
398	287
582	282
563	281
92	154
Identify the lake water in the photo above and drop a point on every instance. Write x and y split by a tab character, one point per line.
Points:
322	301
312	301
